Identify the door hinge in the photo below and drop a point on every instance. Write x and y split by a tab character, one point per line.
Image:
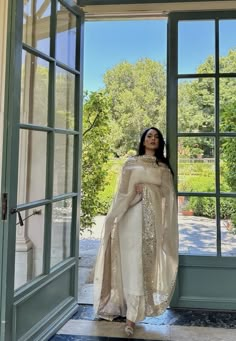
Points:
4	206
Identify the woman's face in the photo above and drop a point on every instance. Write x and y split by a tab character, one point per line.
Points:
151	141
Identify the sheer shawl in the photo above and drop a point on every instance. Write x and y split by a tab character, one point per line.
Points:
159	240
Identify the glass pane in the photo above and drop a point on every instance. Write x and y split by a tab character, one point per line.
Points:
29	246
65	89
63	164
36	24
196	105
61	231
3	68
228	164
197	226
196	47
66	36
34	90
227	104
228	226
196	164
227	42
32	166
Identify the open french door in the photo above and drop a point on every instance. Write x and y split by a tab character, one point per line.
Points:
41	168
202	135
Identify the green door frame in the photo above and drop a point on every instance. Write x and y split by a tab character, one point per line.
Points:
190	266
216	289
61	305
9	178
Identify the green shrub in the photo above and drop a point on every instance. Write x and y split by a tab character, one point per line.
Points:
203	206
227	208
233	219
111	182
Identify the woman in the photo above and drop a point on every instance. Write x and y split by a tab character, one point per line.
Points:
137	261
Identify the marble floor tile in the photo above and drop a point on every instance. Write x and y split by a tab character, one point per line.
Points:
187	317
114	329
63	337
182	333
85	295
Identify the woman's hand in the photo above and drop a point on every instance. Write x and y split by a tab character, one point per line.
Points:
139	188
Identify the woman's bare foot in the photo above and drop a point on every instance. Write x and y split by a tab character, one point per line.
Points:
129	328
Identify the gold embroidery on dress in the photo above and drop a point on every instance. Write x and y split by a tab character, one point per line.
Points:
149	249
159	257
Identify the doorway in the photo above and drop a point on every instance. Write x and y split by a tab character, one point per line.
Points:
124	60
37	78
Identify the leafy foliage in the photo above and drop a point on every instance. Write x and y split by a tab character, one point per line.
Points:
96	151
196	113
203	206
111	182
138	93
228	145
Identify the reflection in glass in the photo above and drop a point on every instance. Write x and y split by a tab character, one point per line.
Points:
197	225
61	231
198	58
196	164
63	164
32	166
228	164
66	36
228	226
36	24
196	105
65	86
227	104
29	246
227	44
34	90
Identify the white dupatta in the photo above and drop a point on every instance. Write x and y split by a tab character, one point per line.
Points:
159	240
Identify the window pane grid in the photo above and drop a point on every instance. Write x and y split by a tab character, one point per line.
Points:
38	134
191	186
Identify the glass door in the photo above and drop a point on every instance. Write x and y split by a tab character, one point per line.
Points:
202	133
42	168
3	38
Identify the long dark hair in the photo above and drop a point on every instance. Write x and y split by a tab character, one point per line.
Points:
159	152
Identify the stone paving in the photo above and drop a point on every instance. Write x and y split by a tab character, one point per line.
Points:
197	236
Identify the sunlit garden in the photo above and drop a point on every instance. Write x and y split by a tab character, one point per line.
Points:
134	97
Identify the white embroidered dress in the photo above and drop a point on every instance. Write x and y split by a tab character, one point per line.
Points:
137	262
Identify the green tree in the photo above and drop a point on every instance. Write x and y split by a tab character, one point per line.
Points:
228	120
96	151
197	113
138	93
196	103
196	110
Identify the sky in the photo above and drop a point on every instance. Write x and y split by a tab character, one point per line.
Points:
108	43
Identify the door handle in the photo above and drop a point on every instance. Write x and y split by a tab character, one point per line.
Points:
15	210
4	206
